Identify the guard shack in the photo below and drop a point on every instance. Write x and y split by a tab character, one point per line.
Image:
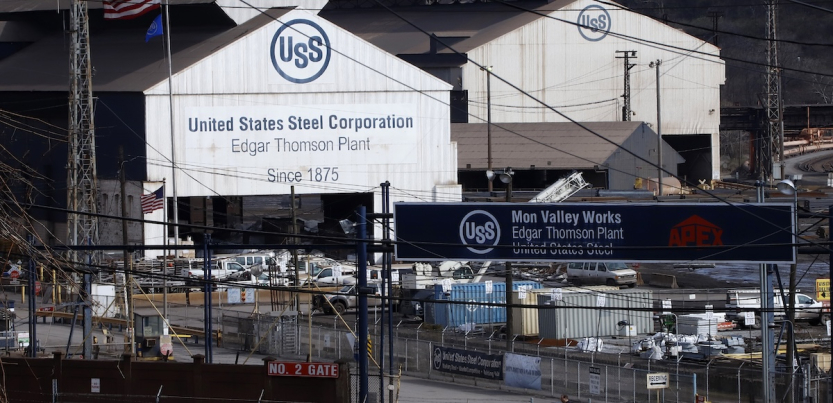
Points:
151	342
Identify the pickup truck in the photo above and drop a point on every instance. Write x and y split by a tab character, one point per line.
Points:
749	300
220	270
249	277
346	298
607	273
335	274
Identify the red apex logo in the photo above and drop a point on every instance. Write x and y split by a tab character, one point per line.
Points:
695	231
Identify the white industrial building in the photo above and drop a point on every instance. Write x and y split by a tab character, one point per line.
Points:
331	100
544	49
283	102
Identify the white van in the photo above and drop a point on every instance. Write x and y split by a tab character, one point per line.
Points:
248	260
607	273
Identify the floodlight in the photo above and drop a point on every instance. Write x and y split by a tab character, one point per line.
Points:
786	187
506	175
349	227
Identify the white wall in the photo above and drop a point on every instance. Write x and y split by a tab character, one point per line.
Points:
359	81
583	80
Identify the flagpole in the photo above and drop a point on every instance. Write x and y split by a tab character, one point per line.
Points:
165	259
171	106
173	152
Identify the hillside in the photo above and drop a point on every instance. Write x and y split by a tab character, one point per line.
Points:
803	45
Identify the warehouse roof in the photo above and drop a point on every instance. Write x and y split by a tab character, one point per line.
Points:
121	59
543	145
463	26
19	6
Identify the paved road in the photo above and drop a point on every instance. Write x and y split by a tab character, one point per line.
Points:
54	337
416	390
815	179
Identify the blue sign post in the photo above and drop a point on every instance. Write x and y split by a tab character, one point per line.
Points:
749	233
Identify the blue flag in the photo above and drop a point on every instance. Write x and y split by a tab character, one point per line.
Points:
155	28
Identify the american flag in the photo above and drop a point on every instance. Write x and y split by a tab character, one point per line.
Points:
153	201
127	9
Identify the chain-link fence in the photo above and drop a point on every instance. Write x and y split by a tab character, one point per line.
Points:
617	377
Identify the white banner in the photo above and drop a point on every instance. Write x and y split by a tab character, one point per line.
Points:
233	295
298	144
522	371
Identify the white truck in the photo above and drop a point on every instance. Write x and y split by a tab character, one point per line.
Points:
327	273
746	303
607	273
426	275
221	269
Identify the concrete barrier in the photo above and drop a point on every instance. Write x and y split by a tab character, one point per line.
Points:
663	280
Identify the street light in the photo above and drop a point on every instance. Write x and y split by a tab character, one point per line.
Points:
488	71
506	177
787	187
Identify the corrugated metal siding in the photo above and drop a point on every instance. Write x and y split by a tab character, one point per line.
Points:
458	314
525	320
239	75
240	12
569	319
549	59
625	167
245	67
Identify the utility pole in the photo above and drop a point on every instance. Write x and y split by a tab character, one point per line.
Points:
297	299
388	266
715	16
207	290
33	320
489	122
626	108
82	187
659	132
509	286
361	287
127	261
767	336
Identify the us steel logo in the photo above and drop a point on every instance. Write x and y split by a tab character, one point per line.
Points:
593	23
300	51
695	231
480	229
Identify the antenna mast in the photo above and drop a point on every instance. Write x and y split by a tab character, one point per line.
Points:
82	186
775	125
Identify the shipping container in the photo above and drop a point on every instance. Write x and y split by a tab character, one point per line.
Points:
576	316
525	320
455	314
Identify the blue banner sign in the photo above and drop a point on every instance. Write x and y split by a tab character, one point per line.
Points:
568	232
466	362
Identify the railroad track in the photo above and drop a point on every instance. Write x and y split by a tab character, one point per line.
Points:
821	164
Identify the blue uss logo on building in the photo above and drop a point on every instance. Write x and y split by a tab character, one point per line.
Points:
300	51
481	230
593	23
